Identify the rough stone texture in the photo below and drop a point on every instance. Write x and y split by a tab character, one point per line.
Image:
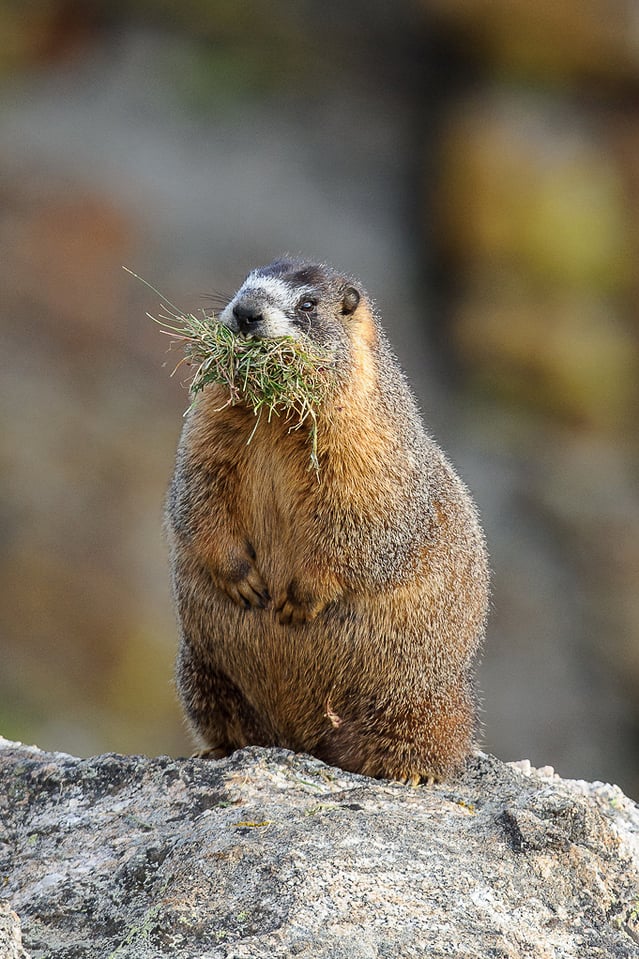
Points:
10	934
271	854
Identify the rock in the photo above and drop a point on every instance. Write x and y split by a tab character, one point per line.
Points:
272	854
10	934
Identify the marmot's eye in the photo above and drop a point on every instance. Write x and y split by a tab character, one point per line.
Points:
307	305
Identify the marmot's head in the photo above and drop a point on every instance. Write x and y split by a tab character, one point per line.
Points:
295	298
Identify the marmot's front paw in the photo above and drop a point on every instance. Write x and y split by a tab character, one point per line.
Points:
291	613
298	605
247	588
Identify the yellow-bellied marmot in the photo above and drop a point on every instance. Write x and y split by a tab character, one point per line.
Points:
337	616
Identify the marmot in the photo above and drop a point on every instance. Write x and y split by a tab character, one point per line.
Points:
336	614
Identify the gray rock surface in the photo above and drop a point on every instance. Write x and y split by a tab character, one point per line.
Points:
271	854
10	934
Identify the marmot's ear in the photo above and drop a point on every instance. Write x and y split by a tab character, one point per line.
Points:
350	301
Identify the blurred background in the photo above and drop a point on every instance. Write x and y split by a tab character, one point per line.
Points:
476	164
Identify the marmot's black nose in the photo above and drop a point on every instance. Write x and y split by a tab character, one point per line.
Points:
247	315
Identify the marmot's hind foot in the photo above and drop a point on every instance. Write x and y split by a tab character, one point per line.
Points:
417	779
212	752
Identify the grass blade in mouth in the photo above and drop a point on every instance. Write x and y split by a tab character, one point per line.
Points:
279	376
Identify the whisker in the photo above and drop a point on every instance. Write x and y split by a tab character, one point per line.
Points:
217	297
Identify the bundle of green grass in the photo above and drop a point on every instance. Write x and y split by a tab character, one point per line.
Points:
278	376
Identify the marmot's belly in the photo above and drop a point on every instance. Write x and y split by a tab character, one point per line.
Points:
304	681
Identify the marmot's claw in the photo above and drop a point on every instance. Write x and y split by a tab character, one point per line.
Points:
211	752
250	592
417	779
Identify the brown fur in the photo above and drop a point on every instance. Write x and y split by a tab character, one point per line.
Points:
338	617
